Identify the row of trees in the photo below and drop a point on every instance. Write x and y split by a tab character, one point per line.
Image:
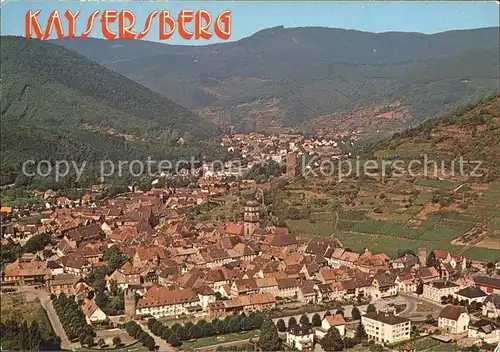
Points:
136	331
73	319
473	306
24	337
316	319
177	333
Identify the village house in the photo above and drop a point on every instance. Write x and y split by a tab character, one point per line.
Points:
435	290
25	272
75	265
93	314
288	288
247	303
484	331
491	306
159	301
300	337
454	319
127	275
384	286
329	321
386	328
62	283
307	294
81	235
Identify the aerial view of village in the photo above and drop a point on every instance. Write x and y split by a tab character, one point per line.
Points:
329	183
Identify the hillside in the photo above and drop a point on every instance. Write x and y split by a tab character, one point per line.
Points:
286	76
56	104
457	212
471	132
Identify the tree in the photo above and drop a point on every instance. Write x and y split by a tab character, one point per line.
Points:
174	340
269	339
114	257
281	325
431	259
291	322
340	312
355	313
316	320
304	320
361	334
117	341
327	313
420	288
349	342
101	342
332	341
149	343
376	348
371	308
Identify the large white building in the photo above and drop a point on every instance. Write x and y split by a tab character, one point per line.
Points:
454	319
435	290
386	328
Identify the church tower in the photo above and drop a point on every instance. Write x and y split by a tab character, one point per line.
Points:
251	217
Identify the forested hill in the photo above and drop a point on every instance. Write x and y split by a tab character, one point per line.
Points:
287	76
57	104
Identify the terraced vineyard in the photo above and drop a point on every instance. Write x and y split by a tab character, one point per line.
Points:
409	224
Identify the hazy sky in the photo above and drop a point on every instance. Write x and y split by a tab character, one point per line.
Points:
250	17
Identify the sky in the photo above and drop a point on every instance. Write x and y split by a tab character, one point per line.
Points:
250	17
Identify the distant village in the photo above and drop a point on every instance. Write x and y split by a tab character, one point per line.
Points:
161	265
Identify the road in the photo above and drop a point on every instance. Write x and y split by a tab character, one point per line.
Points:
412	304
161	343
380	304
46	303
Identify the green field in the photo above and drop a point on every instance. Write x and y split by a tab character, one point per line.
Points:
385	228
441	234
443	184
482	254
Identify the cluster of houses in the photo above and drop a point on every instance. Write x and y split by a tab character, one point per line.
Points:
177	267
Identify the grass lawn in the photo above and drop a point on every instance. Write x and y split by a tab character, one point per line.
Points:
215	340
135	347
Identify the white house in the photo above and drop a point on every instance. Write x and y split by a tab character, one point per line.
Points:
491	306
471	294
93	314
300	337
331	321
485	331
454	319
435	290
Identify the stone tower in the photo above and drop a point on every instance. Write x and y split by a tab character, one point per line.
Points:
422	257
251	217
130	303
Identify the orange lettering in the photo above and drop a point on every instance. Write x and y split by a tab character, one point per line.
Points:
124	30
147	26
185	16
108	16
54	21
165	18
32	21
225	19
200	30
71	22
90	24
